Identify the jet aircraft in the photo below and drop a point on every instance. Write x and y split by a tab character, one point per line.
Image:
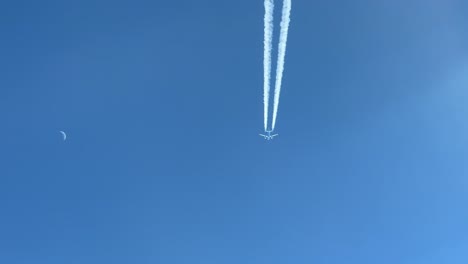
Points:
269	136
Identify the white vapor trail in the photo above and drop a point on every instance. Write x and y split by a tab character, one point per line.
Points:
267	43
285	18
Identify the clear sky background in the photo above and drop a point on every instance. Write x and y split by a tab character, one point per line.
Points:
162	102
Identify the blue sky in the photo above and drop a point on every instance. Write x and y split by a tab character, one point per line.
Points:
162	103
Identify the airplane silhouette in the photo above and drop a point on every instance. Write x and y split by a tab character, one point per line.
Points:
269	136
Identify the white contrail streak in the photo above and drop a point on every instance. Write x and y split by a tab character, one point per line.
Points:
267	44
285	18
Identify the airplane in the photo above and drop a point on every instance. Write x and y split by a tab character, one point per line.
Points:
269	136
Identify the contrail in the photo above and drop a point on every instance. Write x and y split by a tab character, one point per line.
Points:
267	43
285	18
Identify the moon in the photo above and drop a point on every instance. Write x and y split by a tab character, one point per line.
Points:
64	135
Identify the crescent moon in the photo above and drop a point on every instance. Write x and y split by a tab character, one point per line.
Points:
64	135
